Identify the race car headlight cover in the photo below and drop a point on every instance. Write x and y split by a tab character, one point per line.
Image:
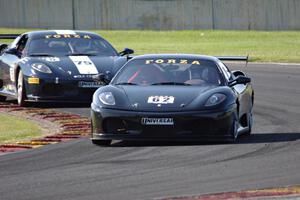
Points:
41	67
215	99
107	98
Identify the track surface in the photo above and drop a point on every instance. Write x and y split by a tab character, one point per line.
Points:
128	170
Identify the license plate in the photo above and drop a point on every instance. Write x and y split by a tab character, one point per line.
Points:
157	121
83	84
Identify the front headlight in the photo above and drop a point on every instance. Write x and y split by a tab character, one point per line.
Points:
107	98
215	99
41	67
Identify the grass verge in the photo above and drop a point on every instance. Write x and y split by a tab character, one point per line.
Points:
264	46
14	129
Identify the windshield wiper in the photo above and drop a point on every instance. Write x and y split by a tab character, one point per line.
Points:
125	83
41	54
81	54
170	83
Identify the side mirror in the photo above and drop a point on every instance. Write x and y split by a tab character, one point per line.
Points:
240	80
126	51
238	73
3	47
13	51
102	78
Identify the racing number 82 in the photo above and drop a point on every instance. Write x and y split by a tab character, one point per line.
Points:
161	99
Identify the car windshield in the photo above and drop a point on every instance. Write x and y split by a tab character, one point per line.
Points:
65	46
169	71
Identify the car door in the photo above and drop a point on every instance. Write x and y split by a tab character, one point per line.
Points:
244	96
9	60
242	90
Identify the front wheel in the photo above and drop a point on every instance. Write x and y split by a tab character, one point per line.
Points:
250	119
234	129
21	93
250	122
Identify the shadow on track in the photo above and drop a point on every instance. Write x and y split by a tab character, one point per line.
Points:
268	138
252	139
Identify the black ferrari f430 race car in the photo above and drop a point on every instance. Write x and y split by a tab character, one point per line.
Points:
173	97
55	65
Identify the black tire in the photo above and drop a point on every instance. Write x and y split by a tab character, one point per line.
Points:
250	120
101	142
21	93
2	98
234	129
250	123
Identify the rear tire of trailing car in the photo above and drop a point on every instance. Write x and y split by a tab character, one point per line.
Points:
2	98
21	93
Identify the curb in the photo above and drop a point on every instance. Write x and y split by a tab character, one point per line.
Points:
71	127
290	192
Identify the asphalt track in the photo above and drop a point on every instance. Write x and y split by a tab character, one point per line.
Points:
147	170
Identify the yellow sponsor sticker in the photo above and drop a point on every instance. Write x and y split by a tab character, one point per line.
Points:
172	61
196	62
183	62
33	80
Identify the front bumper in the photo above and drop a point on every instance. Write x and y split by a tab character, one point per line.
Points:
109	124
60	90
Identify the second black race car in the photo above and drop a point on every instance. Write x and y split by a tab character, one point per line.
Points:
56	65
173	97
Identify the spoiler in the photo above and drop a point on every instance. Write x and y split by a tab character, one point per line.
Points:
234	58
9	36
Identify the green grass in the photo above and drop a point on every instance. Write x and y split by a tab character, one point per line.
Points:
265	46
13	129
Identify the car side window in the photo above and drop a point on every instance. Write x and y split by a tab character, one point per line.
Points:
15	42
225	70
20	46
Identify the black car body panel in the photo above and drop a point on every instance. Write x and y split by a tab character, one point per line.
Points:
189	125
71	70
173	110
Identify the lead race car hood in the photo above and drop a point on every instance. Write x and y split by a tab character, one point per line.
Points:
80	67
177	98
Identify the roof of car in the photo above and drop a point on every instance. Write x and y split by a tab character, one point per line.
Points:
178	56
60	32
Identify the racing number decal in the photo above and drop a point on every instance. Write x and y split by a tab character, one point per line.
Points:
161	99
83	62
52	59
84	65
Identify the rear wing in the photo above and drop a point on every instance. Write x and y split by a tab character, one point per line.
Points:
6	36
9	36
234	58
